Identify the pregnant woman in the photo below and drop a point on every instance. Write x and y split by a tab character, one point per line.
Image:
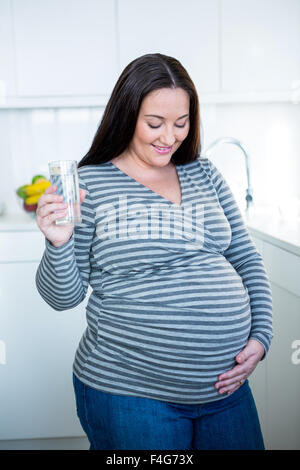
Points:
180	311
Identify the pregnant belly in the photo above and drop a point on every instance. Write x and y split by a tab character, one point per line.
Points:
193	314
209	294
172	332
168	351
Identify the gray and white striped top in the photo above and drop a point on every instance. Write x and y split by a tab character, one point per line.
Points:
177	290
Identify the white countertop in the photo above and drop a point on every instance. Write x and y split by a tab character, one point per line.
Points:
20	222
264	225
276	230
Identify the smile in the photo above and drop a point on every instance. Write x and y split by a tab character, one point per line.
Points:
162	150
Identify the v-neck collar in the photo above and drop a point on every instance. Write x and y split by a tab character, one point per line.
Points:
154	192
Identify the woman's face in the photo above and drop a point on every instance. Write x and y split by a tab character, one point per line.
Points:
162	125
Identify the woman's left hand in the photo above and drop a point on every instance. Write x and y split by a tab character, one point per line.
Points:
247	360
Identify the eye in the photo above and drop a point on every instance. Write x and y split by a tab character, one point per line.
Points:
181	126
154	127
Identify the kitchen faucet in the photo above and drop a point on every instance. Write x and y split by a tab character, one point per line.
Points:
233	141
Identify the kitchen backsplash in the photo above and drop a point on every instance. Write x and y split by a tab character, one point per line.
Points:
271	134
29	138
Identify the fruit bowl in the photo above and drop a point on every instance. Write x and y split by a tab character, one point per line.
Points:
29	194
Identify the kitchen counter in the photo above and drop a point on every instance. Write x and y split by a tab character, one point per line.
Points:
269	227
276	230
20	222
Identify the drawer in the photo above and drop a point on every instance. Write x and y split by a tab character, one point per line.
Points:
21	246
283	268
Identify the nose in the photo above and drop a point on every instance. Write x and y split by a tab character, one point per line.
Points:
167	136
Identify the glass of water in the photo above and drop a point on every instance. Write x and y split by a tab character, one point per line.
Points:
64	175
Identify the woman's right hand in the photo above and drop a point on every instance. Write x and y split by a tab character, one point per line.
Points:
49	202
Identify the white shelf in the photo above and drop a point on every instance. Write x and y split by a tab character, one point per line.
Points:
101	100
53	102
248	97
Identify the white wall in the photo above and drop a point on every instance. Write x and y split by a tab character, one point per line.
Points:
271	134
29	138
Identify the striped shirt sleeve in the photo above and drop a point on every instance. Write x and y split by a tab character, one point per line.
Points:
62	277
248	263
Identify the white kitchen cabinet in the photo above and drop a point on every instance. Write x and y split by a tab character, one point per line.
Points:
284	268
260	45
276	381
7	62
69	53
36	393
65	47
283	375
186	30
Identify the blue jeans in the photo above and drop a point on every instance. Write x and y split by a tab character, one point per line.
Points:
116	422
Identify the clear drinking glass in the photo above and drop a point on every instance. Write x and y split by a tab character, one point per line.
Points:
64	175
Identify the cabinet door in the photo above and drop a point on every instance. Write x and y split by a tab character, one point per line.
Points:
7	66
186	30
283	373
65	47
36	392
260	44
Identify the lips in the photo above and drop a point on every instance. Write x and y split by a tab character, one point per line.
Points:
162	150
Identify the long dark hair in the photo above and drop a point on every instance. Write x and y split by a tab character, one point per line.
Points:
143	75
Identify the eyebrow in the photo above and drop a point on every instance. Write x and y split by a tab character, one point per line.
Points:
161	117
